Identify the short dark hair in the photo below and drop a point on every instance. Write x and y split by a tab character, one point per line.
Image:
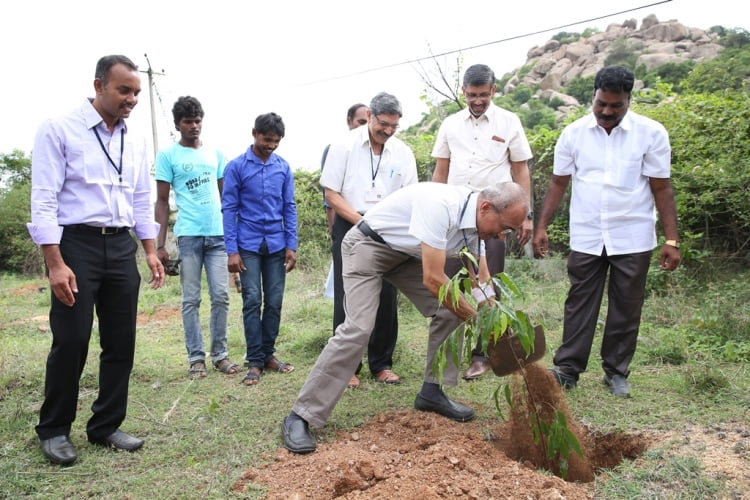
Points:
353	110
614	79
104	65
385	104
269	122
187	107
478	75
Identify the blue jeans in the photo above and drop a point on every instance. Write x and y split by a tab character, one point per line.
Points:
197	252
262	282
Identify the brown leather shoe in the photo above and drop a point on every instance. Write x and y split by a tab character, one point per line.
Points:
478	367
353	382
387	377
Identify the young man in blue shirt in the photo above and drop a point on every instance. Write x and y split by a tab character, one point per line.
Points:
260	232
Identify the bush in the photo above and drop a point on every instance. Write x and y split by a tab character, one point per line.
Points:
312	228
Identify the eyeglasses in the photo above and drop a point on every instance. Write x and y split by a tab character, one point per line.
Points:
385	124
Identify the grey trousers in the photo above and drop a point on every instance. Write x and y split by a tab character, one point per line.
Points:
365	264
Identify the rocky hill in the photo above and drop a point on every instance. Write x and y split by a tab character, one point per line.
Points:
553	65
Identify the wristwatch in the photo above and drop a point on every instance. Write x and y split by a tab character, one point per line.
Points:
672	243
530	215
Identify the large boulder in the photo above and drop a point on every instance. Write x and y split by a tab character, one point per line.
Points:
652	61
667	32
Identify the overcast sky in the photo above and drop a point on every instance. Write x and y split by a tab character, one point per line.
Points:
307	61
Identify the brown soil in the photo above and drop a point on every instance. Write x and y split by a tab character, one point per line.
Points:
420	455
415	455
407	454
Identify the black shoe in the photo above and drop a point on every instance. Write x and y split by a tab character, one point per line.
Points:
447	408
296	435
618	385
119	440
59	450
565	381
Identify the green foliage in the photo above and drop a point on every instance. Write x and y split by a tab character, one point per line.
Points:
735	38
582	88
589	32
560	440
537	115
710	138
521	95
421	145
565	37
623	53
495	319
18	253
672	73
729	71
312	228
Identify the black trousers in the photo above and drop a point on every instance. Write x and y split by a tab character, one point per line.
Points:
494	250
626	292
385	334
108	282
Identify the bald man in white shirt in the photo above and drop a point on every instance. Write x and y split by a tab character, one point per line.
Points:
405	240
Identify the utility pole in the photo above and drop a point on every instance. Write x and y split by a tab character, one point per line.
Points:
150	72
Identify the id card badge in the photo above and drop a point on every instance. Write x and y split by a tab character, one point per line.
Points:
374	195
122	206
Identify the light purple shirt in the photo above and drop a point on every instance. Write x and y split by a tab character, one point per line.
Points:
73	181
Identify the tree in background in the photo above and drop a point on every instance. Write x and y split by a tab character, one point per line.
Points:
18	254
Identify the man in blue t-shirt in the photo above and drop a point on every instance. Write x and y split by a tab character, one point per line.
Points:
196	175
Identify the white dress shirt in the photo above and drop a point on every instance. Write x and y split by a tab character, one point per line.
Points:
434	213
612	204
481	149
363	179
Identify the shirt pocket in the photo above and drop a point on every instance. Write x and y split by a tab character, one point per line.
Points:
628	174
495	150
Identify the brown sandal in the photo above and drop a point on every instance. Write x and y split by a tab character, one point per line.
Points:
227	367
387	377
279	366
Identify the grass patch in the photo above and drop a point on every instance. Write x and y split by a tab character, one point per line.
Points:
202	435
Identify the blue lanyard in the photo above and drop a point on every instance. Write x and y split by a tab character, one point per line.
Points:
122	149
466	240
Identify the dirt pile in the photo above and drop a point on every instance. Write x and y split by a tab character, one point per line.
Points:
407	454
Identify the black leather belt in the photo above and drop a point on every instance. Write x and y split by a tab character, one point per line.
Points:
103	230
367	231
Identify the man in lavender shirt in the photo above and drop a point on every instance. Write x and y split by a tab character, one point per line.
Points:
90	187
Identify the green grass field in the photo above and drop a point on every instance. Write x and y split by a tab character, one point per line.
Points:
201	435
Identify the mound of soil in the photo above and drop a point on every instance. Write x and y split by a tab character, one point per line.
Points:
409	454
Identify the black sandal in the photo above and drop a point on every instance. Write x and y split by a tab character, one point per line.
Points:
253	376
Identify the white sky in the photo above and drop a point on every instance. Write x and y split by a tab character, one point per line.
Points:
294	57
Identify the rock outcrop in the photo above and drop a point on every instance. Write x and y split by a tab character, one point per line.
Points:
553	65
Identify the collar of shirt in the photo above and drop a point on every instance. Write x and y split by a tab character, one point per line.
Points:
252	157
364	139
92	118
488	116
625	124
